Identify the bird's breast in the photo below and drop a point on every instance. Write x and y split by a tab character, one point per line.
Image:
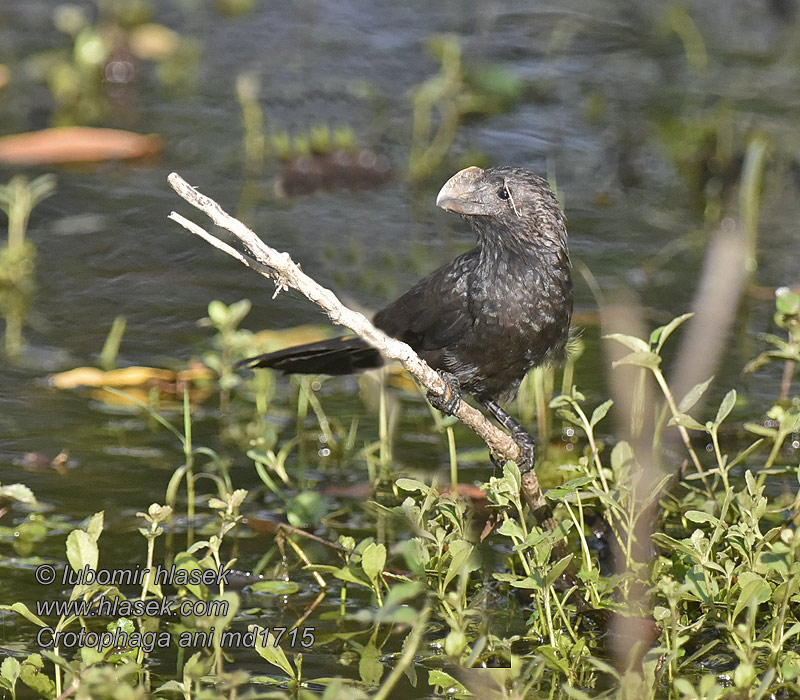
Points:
525	306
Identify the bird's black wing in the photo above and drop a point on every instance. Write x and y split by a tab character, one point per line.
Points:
434	313
431	316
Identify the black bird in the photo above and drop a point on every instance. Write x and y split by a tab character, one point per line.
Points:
484	319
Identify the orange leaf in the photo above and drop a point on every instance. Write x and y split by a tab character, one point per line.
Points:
77	144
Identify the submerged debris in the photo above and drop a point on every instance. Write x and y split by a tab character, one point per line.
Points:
355	170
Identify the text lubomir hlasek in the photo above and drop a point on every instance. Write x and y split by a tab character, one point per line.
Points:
136	576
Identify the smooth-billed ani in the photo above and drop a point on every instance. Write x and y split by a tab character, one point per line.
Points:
484	319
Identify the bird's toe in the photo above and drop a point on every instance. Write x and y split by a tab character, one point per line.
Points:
449	401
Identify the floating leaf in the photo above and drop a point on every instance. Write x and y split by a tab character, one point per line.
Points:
76	144
275	587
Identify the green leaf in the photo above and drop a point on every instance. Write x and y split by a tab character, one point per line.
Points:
629	341
370	667
679	545
647	359
271	652
343	574
307	508
22	609
572	486
600	412
275	587
685	688
699	516
745	675
185	561
572	692
217	312
95	526
786	301
172	686
659	336
238	310
686	421
557	569
446	681
754	589
693	395
621	456
401	592
373	561
460	552
10	670
19	493
413	485
32	674
82	550
726	406
511	528
759	429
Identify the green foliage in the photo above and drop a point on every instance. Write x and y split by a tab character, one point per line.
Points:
18	255
78	76
716	599
442	101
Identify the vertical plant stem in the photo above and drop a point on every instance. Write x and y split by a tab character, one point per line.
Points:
188	453
683	432
750	196
451	448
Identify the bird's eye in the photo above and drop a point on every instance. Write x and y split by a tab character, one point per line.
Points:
503	193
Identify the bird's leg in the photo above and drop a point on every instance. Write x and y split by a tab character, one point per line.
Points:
450	400
522	437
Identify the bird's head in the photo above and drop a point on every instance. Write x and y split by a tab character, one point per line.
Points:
506	203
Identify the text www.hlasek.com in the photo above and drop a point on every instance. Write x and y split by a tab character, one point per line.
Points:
120	607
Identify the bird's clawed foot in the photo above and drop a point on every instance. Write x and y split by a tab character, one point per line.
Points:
449	402
527	447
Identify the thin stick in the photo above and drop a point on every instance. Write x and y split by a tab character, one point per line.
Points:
287	274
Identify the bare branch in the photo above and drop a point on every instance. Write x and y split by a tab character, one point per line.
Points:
287	274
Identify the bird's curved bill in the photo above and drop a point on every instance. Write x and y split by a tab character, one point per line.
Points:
460	193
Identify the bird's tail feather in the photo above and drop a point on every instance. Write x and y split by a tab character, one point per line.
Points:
334	356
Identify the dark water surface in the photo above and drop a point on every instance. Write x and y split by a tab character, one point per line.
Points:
601	76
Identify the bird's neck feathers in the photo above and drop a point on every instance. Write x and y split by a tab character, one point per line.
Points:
514	245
